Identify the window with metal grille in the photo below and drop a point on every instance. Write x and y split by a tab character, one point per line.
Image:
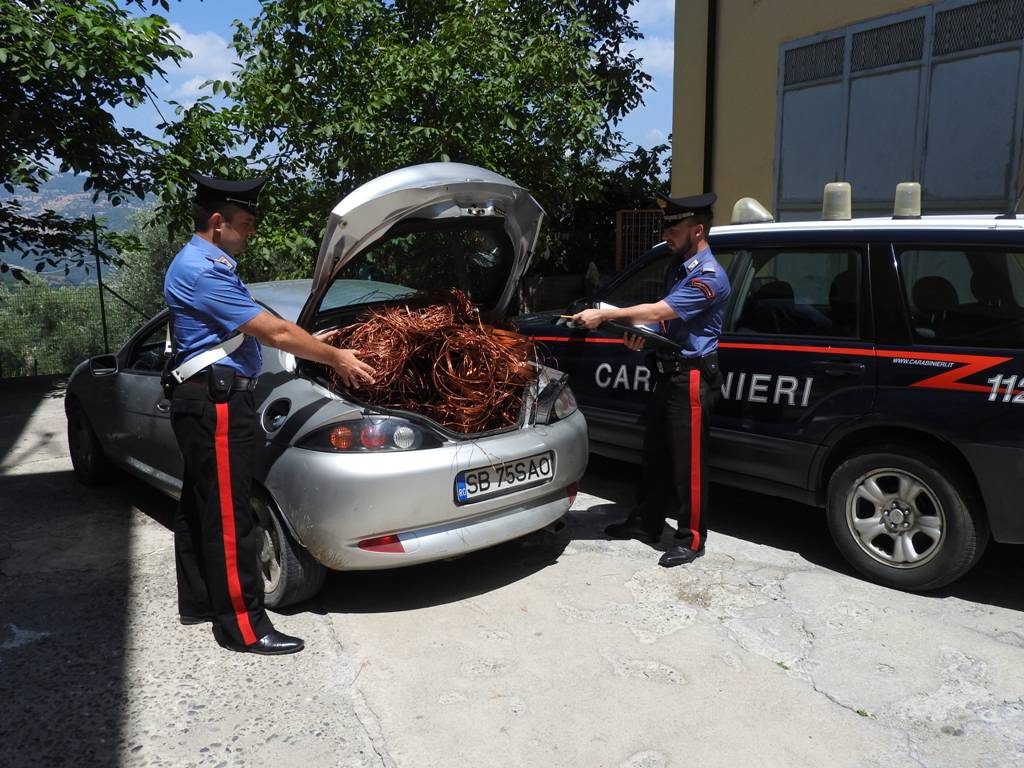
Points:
883	46
816	61
978	25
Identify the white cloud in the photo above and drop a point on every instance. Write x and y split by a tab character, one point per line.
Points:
211	59
657	53
654	15
655	136
211	55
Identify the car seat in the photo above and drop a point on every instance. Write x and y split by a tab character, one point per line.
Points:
934	298
842	300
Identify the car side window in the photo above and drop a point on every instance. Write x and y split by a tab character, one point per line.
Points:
964	297
800	293
647	284
147	355
644	286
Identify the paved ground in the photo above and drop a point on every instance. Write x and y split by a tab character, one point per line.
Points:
559	649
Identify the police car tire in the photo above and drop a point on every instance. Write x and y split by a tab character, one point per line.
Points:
299	576
87	457
965	526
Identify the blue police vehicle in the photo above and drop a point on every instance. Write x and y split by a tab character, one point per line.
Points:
874	367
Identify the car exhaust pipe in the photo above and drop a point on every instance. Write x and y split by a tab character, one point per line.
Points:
556	527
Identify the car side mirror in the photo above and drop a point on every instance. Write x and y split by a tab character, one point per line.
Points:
103	365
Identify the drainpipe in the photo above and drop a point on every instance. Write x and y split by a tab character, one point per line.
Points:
709	94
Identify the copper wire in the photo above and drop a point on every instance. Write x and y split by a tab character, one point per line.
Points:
440	360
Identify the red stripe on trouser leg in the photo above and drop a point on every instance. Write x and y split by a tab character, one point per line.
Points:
695	478
227	521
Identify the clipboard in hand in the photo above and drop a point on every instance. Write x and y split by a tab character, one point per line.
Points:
651	337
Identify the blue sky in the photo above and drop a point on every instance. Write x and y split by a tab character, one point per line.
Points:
205	29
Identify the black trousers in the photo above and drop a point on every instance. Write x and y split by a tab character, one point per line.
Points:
216	539
675	483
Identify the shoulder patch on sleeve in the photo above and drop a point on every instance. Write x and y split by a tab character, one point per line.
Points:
703	287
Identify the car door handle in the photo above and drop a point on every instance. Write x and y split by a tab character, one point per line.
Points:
839	368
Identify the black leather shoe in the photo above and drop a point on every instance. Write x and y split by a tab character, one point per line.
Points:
273	643
680	555
189	620
631	529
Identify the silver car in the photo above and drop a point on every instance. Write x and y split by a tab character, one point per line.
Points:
342	486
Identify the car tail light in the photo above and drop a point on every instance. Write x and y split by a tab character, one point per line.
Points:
370	434
342	438
555	401
390	543
572	490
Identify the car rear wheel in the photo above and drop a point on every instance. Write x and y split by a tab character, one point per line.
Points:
290	573
90	463
905	519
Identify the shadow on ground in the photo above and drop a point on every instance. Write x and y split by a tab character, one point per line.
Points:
789	526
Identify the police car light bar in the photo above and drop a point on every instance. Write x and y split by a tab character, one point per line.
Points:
748	211
908	201
836	203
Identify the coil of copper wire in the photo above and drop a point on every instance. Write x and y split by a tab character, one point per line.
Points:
440	360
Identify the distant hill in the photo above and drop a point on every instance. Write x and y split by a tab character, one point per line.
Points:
63	194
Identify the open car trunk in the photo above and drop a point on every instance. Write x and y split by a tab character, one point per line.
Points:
409	237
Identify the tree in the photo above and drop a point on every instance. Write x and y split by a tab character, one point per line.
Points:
330	95
64	67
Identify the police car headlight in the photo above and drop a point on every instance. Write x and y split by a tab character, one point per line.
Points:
565	405
370	434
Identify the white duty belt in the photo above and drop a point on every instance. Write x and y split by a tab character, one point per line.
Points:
208	357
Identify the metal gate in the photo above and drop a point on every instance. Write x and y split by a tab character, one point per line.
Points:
636	231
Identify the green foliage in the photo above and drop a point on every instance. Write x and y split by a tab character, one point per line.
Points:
330	95
64	67
48	330
139	277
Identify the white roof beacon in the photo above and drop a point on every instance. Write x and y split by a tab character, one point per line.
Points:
836	203
908	201
748	211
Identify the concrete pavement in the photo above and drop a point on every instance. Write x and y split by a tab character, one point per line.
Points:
558	649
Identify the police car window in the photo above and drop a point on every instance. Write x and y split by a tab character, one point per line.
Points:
800	293
475	257
648	284
148	354
644	286
964	297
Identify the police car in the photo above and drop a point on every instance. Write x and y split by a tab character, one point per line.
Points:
871	366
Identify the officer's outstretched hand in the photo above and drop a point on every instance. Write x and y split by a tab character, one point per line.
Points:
588	318
352	371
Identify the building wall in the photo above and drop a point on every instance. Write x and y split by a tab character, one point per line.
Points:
749	35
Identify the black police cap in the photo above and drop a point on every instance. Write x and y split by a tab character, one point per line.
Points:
212	193
675	209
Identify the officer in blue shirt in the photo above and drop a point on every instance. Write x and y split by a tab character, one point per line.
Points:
687	385
216	538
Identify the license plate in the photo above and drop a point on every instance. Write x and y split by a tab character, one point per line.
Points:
498	479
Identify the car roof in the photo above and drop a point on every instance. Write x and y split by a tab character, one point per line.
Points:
285	297
978	229
984	222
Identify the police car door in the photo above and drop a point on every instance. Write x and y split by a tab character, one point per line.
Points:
796	359
610	382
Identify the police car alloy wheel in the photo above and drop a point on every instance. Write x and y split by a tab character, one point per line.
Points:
290	574
905	519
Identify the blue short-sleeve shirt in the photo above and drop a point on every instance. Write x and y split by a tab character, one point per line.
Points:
208	303
698	291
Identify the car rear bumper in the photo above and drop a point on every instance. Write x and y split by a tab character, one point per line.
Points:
334	501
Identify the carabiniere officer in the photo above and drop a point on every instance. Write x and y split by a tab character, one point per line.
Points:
687	382
217	329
